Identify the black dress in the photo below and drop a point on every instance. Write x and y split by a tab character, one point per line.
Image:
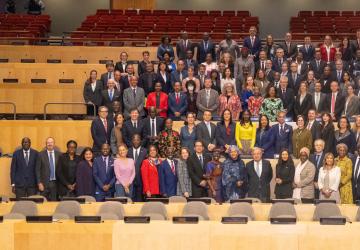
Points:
285	172
191	100
328	135
66	173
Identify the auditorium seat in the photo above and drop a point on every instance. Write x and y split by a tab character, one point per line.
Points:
241	209
111	210
326	210
88	198
177	199
155	210
67	210
282	210
196	209
21	209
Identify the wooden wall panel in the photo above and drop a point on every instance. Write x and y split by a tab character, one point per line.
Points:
133	4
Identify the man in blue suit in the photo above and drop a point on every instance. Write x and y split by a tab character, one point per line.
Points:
22	172
101	129
103	172
253	42
167	174
180	73
204	47
283	134
177	103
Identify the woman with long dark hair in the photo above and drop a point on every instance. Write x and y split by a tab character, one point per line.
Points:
92	93
285	171
116	138
85	184
265	137
327	132
345	135
225	131
245	133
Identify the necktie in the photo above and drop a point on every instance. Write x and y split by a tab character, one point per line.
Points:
181	76
309	126
173	167
282	129
283	91
257	169
209	128
262	65
252	42
339	76
105	125
177	98
357	170
135	125
111	95
206	45
317	64
333	97
134	92
307	48
106	165
153	127
207	97
294	77
317	158
201	161
27	157
109	75
317	100
52	166
136	154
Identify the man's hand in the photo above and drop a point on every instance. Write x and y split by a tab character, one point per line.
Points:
177	114
202	183
106	188
186	194
239	183
13	189
148	194
211	147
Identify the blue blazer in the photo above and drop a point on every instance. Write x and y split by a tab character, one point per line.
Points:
175	76
20	174
167	179
222	138
266	142
282	141
174	107
102	178
254	50
99	134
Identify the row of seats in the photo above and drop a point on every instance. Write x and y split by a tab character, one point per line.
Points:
320	13
113	210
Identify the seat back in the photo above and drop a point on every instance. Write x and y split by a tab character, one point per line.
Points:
69	208
325	210
38	196
241	209
177	199
282	209
154	207
196	208
87	198
112	207
26	208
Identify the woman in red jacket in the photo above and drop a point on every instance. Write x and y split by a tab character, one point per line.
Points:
149	173
159	100
328	50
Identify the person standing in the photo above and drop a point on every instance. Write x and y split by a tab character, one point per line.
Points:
285	171
213	176
124	169
168	174
317	158
85	184
184	182
355	177
345	165
46	165
22	172
101	129
150	174
329	179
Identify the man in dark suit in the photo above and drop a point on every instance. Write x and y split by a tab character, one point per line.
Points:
287	96
180	73
338	72
167	174
325	80
260	174
152	126
138	154
279	60
204	47
126	77
144	62
289	47
148	79
335	101
253	43
196	165
109	73
313	125
46	165
283	134
338	57
294	78
272	75
110	95
132	126
101	129
355	45
205	132
319	98
261	63
177	102
317	65
201	76
307	50
122	64
355	175
191	62
22	172
317	158
183	45
103	172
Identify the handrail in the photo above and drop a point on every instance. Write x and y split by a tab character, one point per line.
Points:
14	107
66	103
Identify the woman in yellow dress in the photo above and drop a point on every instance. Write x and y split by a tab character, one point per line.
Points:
345	165
245	133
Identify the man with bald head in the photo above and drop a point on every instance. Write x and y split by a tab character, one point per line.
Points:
22	172
46	164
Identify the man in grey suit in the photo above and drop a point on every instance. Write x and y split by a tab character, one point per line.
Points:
133	97
289	47
318	98
207	100
46	165
205	132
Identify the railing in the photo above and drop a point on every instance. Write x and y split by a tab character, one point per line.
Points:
13	105
67	103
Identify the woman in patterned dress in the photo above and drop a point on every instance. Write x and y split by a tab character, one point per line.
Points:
255	102
229	100
169	138
345	165
271	105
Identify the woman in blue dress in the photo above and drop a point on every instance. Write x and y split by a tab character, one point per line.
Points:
188	132
234	175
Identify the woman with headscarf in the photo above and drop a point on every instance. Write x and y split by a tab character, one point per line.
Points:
285	171
234	175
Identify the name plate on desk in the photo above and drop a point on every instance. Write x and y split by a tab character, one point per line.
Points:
324	201
283	220
205	200
36	200
87	219
104	61
4	60
79	61
163	200
80	200
39	219
53	60
234	220
38	80
121	200
137	219
26	60
10	80
66	80
185	220
291	201
241	201
333	221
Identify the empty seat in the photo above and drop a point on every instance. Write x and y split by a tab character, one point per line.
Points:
87	198
177	199
111	210
241	209
21	209
282	209
67	210
326	210
155	210
196	209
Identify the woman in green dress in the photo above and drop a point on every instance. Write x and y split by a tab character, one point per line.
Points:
271	105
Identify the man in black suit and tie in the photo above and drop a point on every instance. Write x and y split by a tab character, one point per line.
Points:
317	65
132	126
279	60
122	64
283	134
356	175
191	62
152	126
196	165
183	45
289	47
260	174
317	158
287	96
148	79
307	50
294	78
338	72
138	154
319	98
101	129
108	75
22	172
205	132
177	102
261	63
204	47
110	95
335	102
46	165
313	125
355	45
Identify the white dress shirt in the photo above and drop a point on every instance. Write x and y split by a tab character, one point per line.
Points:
334	178
258	165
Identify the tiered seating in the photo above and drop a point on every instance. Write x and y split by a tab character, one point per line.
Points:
331	22
151	25
16	25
